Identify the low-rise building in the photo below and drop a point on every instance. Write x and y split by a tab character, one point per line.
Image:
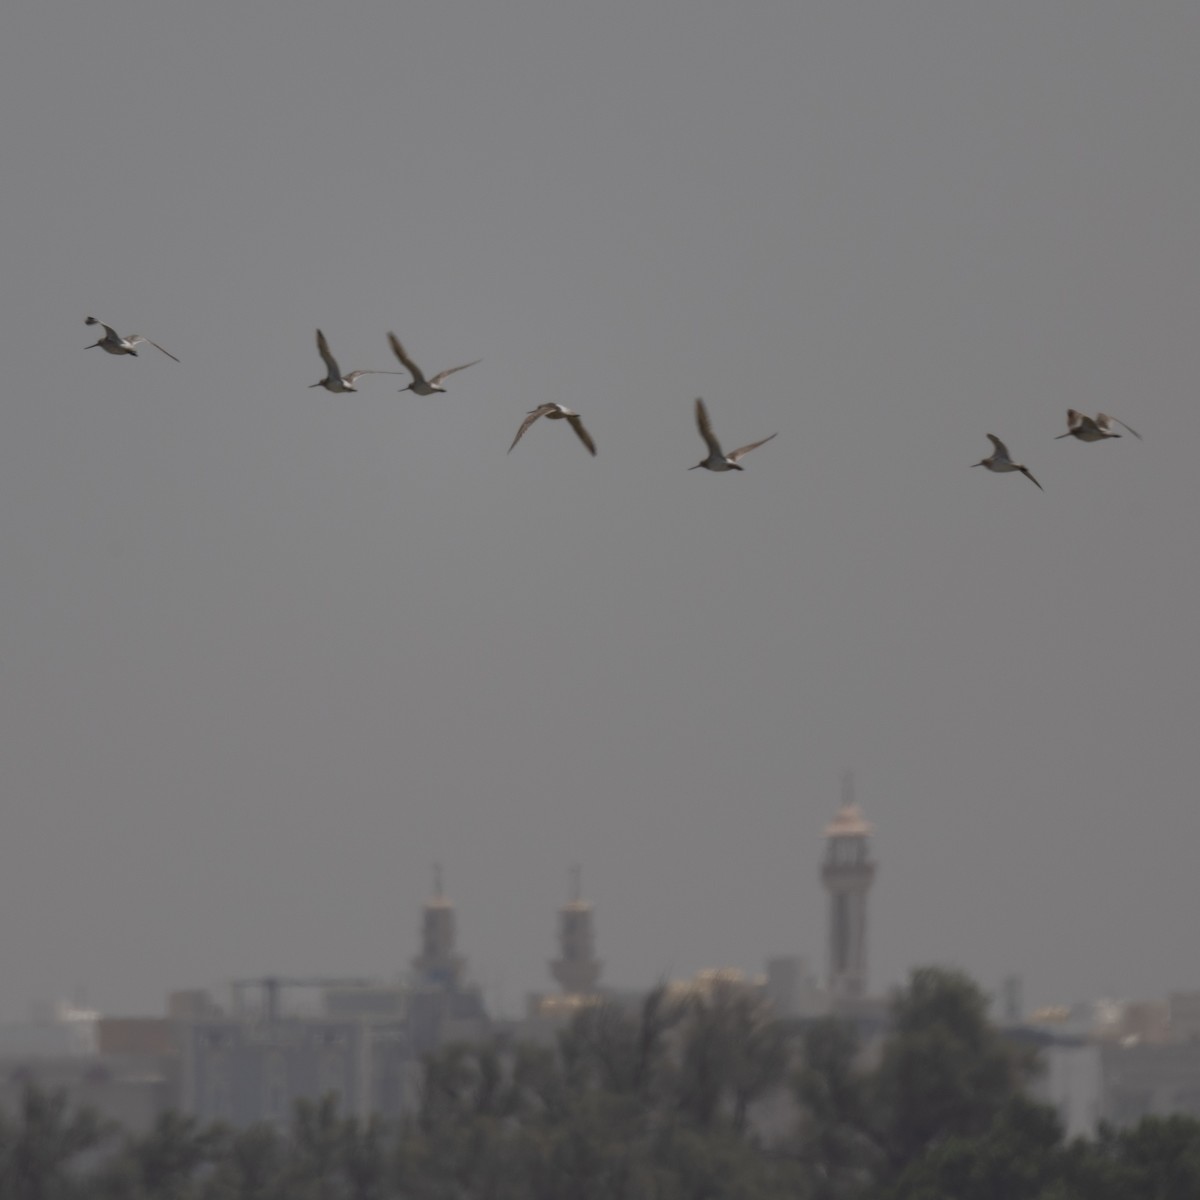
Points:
1140	1080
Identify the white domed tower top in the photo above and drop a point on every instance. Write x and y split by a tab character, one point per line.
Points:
848	872
848	822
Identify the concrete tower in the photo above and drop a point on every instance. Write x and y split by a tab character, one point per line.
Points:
578	968
437	964
847	872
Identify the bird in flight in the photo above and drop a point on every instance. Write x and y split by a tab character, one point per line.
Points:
555	412
334	380
420	385
1087	429
717	459
114	343
1000	461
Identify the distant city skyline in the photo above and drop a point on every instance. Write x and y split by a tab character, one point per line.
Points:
840	965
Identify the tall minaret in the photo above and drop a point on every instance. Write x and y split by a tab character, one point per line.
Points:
847	872
437	963
578	968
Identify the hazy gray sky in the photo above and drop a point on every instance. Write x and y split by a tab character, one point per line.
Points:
267	653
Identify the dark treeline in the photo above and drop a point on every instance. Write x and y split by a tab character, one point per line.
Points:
704	1099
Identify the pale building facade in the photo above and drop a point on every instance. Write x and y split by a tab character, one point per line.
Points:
1149	1080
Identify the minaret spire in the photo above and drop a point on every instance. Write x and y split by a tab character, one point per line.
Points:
438	964
848	872
577	968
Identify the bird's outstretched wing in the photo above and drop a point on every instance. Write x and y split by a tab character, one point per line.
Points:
1029	475
109	331
335	372
540	411
1105	423
359	374
734	455
408	364
584	436
437	379
705	427
134	338
1001	448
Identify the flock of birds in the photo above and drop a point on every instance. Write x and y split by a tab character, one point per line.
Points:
1087	429
1079	425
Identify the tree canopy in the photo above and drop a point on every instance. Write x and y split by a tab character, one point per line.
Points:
695	1098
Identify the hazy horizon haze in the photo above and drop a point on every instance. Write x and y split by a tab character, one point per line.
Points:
269	653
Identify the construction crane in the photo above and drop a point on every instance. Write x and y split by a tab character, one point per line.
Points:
271	985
